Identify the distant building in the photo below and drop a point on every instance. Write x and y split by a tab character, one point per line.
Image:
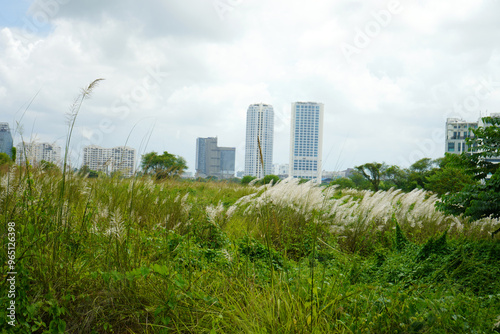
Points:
458	131
36	152
212	160
306	140
5	139
108	160
281	170
260	130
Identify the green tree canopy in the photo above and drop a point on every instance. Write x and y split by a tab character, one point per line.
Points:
165	165
373	172
481	199
343	183
247	179
4	159
452	175
268	178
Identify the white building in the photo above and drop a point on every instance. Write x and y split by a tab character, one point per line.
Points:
109	160
457	131
260	129
36	152
306	140
280	169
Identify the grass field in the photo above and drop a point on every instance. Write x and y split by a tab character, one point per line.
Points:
113	255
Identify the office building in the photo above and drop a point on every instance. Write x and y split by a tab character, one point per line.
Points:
5	139
36	152
109	160
259	132
212	160
306	140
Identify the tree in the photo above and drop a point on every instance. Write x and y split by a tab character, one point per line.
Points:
451	177
4	159
373	172
394	177
481	199
162	166
343	183
418	173
247	179
268	178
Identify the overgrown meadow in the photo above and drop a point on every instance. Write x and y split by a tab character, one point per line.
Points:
111	255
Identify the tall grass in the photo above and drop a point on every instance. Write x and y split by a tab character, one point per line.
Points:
146	256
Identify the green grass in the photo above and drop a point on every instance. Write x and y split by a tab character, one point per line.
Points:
138	256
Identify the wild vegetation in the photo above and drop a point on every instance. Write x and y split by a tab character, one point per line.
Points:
155	254
143	255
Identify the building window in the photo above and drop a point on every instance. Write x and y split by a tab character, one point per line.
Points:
451	147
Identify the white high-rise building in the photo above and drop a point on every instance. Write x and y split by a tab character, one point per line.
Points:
36	152
109	160
260	129
306	140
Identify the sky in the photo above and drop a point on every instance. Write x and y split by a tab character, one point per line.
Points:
389	73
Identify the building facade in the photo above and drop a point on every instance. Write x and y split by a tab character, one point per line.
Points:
36	152
212	160
281	170
108	160
457	132
5	139
259	132
306	140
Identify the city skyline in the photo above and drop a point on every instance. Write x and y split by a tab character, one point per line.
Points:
184	70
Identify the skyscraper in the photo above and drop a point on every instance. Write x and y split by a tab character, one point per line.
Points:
5	139
212	160
36	152
260	129
306	140
109	160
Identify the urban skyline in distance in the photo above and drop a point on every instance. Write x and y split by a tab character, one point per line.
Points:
390	73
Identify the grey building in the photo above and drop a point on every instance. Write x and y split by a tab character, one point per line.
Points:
212	160
5	139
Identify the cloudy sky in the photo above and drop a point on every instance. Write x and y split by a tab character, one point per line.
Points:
388	72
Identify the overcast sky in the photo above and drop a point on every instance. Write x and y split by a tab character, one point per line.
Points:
388	72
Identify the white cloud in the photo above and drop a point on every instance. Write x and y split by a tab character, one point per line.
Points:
393	93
